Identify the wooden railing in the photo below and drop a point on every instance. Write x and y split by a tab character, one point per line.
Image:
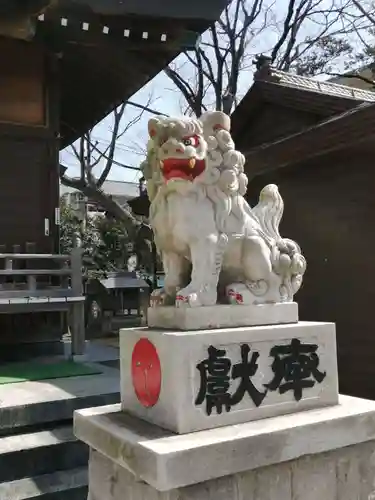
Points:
45	282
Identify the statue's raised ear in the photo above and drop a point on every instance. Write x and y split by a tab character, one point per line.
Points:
215	120
153	124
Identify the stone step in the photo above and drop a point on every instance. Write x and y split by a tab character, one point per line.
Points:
24	350
43	452
63	485
27	404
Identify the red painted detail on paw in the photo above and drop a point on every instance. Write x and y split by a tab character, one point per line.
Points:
237	297
181	298
146	373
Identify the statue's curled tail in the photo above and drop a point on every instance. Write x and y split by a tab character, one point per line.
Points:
287	260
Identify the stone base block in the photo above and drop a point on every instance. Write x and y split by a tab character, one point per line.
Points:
221	316
195	380
325	454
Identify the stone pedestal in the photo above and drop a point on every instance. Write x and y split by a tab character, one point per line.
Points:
324	454
237	413
186	381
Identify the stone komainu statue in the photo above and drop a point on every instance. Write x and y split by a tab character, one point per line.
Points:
214	246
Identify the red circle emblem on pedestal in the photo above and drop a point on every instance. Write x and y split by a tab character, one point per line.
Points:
146	373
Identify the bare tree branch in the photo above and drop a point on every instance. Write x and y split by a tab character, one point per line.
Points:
286	30
357	76
145	108
365	13
213	74
89	155
186	89
118	114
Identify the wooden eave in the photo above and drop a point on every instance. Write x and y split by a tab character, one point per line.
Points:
108	50
345	130
206	11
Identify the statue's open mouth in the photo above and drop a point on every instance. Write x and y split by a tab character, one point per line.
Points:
182	168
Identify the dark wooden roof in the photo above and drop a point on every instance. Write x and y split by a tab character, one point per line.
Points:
109	49
17	9
348	129
320	98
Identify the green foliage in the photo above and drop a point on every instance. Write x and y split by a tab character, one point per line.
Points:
324	55
104	241
112	247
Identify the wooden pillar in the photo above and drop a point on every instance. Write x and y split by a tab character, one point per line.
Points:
77	317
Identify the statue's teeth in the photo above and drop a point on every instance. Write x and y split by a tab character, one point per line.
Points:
192	163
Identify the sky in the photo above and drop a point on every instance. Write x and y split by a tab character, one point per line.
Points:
166	99
129	148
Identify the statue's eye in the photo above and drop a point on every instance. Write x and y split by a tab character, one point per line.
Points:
191	141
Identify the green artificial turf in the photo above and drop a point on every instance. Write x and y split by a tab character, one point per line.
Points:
13	373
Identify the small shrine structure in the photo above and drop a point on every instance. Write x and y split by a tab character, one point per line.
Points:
316	141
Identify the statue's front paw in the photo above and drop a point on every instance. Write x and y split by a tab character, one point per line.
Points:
190	297
158	298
